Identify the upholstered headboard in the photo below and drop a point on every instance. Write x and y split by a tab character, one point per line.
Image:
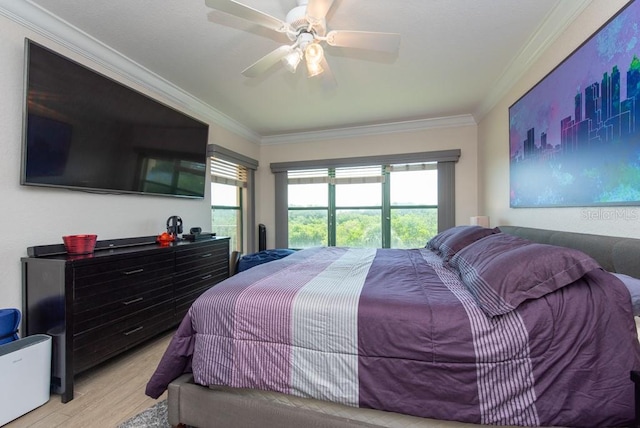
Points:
615	254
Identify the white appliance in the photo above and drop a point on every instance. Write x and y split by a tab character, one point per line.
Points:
25	376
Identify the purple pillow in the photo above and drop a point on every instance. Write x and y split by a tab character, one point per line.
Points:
435	242
503	270
633	285
450	241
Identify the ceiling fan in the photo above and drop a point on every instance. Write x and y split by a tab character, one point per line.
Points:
305	25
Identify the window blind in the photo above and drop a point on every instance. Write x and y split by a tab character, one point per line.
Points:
346	175
421	166
359	174
225	172
308	176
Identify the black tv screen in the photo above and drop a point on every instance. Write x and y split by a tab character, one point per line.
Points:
85	131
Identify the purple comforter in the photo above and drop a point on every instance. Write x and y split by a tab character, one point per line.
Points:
399	330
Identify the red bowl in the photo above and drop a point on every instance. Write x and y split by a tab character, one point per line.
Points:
80	244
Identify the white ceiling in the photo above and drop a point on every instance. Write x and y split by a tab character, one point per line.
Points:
455	58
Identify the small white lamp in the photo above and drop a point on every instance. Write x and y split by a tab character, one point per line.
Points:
480	220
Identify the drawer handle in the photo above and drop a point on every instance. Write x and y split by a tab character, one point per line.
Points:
206	277
131	272
206	255
139	299
133	331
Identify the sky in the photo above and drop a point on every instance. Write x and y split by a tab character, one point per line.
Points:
406	187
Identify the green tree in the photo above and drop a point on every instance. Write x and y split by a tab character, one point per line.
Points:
410	228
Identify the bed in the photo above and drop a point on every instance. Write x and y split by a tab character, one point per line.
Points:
481	327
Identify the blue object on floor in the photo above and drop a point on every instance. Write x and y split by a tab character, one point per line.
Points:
251	260
9	322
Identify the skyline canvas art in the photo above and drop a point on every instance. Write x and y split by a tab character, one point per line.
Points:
575	137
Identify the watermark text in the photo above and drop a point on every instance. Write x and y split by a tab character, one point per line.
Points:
610	214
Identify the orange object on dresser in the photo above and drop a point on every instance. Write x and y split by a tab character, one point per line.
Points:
164	239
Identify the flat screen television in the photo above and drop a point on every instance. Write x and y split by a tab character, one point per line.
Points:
85	131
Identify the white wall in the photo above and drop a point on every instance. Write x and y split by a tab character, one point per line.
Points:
38	216
493	147
462	137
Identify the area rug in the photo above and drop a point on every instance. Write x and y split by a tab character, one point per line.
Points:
154	417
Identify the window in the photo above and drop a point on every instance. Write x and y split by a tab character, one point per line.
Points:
408	199
226	213
232	198
413	208
308	216
358	206
375	206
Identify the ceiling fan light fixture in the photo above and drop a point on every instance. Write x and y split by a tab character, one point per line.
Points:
313	69
314	54
292	60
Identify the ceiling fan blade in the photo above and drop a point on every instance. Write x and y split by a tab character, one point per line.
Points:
250	14
266	62
317	10
384	42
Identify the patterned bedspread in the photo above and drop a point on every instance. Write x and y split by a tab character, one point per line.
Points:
398	330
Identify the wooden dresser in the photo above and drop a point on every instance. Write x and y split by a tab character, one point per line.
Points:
129	290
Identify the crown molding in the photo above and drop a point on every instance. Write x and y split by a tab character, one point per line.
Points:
58	31
378	129
555	23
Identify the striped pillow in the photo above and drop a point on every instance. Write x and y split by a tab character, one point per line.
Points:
450	241
502	271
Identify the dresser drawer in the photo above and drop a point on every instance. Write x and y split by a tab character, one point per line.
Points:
93	313
195	279
211	253
97	345
126	270
94	296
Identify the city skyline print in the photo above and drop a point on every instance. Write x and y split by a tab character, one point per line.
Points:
575	137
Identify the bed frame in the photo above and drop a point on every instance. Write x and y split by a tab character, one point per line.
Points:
195	405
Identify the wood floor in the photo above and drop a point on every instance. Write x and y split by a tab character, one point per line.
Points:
104	396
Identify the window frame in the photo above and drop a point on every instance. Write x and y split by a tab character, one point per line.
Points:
389	208
445	159
249	226
239	208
